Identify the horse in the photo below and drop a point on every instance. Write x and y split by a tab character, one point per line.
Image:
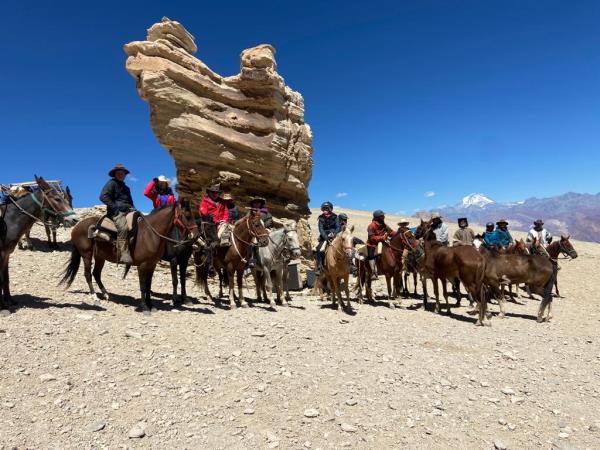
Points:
272	262
232	261
50	226
554	250
147	249
178	255
338	257
447	263
18	217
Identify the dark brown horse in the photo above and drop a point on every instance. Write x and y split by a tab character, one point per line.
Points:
19	216
448	263
232	260
147	249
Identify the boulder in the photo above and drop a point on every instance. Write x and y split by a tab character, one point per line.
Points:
246	131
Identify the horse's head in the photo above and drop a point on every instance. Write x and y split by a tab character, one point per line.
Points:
567	248
422	229
184	221
292	243
410	240
521	248
257	229
54	203
346	238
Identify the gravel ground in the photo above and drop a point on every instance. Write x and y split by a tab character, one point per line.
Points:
73	375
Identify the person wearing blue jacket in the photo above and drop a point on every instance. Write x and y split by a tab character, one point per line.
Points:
329	226
489	236
503	236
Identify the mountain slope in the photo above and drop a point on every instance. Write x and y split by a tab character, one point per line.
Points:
570	213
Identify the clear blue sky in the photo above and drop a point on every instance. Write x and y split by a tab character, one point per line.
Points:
404	97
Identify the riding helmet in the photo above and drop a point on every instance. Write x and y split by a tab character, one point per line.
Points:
343	217
326	205
378	213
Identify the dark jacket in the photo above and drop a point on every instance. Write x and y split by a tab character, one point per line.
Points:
328	225
265	216
234	213
117	197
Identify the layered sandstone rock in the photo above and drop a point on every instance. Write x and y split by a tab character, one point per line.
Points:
246	131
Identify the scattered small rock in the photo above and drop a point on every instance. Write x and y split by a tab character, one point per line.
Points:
96	426
311	412
137	432
351	402
499	445
349	428
257	334
47	377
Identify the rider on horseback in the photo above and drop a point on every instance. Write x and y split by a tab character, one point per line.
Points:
378	233
160	192
439	228
540	233
259	204
117	198
503	236
464	235
234	211
329	226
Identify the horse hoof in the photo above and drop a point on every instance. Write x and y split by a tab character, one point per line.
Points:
4	313
501	315
478	323
146	312
153	309
391	305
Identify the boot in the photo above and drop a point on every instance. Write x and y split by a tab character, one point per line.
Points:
373	269
319	257
123	248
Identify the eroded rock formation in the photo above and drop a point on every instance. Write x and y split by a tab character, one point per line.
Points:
245	131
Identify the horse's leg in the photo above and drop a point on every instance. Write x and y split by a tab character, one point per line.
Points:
142	275
183	265
149	277
501	301
221	275
446	296
268	285
388	282
174	281
284	283
54	243
335	287
5	300
280	282
436	291
347	289
97	272
240	282
456	288
87	272
415	283
231	281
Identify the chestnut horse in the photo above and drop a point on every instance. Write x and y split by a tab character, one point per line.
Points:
147	249
233	259
554	250
18	217
338	258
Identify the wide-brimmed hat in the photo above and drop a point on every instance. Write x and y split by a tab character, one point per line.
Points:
214	188
403	222
112	171
436	215
164	179
227	196
256	198
502	221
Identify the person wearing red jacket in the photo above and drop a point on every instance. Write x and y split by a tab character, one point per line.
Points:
160	192
378	233
212	208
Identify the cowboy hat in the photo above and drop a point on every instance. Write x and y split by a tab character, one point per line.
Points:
227	196
163	179
214	188
403	222
436	215
258	199
112	171
502	221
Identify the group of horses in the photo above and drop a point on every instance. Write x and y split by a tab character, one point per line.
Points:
484	272
172	234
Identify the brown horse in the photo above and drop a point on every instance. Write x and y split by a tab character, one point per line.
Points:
18	217
448	263
338	258
233	259
146	250
554	250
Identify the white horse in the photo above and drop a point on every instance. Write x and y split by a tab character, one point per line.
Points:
272	264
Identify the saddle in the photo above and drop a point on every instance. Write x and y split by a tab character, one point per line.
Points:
106	230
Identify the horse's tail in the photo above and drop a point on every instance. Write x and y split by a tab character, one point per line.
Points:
126	271
72	268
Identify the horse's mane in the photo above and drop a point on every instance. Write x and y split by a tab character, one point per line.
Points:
161	208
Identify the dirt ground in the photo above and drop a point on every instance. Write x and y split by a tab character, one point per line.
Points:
77	376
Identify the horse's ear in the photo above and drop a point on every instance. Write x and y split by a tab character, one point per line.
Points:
352	229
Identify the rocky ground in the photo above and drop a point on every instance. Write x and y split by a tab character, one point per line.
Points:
73	375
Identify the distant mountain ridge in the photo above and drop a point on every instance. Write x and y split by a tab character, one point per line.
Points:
570	213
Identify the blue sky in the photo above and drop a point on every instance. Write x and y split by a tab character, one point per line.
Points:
404	98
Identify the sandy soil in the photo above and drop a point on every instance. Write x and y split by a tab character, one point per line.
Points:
73	375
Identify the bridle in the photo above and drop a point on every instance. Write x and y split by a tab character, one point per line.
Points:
285	251
46	211
252	233
176	220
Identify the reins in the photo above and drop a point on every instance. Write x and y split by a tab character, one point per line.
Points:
167	238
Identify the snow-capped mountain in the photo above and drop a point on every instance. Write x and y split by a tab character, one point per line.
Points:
570	213
476	200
